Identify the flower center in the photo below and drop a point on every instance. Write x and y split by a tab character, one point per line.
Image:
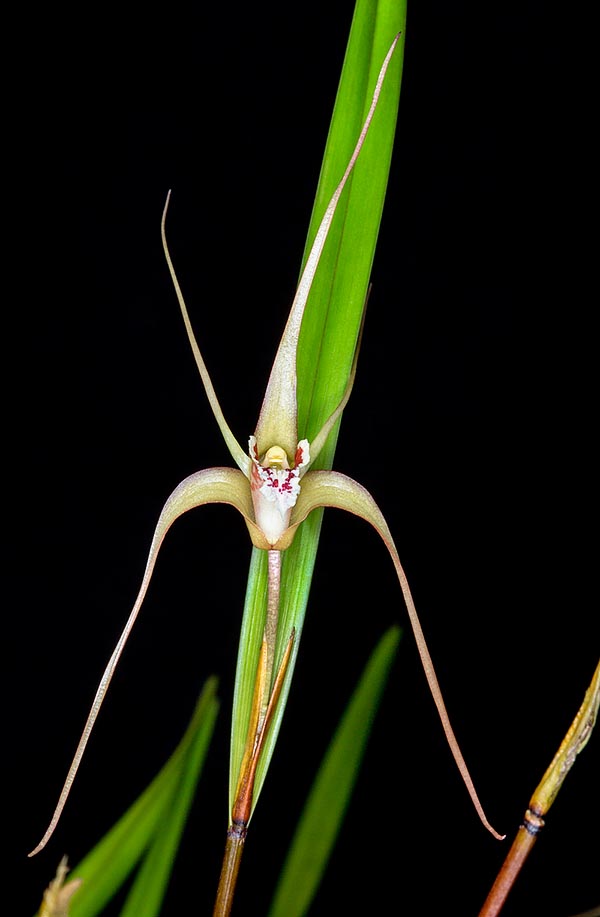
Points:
275	486
275	457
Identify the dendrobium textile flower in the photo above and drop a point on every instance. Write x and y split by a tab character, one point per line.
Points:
274	489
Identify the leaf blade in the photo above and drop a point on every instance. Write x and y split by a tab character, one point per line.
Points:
326	805
107	865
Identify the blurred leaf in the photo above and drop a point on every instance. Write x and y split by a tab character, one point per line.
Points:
152	827
323	814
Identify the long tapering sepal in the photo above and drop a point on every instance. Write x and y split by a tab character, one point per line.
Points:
330	488
238	455
214	485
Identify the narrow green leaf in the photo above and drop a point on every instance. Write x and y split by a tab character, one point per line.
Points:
147	893
330	329
107	866
326	805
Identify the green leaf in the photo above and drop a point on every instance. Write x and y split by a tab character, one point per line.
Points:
329	330
152	827
326	805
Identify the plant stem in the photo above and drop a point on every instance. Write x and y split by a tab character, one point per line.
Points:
267	690
234	847
518	853
575	740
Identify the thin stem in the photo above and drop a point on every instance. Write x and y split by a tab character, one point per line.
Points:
234	848
267	689
518	853
545	793
242	809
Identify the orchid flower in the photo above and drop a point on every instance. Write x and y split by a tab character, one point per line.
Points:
274	488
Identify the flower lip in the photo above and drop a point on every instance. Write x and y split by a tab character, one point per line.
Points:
275	486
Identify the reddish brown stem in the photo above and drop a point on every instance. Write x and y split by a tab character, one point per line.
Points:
234	848
242	807
545	793
518	853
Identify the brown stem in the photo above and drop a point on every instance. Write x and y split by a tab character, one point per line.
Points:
242	807
266	694
545	793
234	847
518	853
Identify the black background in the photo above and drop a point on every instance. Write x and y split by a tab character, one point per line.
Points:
471	423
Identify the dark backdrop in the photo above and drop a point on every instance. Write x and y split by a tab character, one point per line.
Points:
471	423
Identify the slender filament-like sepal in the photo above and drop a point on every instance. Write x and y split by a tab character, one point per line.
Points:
215	485
238	455
330	488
